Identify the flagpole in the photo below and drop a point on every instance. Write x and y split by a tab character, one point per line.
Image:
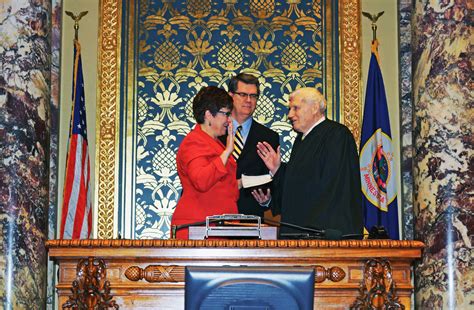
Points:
376	154
76	217
373	19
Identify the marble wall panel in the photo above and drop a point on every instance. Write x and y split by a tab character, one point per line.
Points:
53	138
24	151
444	159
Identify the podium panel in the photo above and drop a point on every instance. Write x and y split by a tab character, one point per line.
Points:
150	274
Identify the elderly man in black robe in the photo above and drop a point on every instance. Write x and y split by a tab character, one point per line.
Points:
320	185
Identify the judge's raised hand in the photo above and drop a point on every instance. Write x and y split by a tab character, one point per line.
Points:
269	156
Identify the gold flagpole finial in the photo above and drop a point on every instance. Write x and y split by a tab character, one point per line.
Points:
373	18
76	19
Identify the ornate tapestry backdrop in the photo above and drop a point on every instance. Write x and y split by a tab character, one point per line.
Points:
172	48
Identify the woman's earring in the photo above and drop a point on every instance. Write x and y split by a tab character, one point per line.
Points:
209	123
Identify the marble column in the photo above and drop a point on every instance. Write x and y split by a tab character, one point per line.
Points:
444	157
24	151
56	19
406	116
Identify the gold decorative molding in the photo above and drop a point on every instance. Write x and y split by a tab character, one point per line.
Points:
246	243
331	52
351	103
107	119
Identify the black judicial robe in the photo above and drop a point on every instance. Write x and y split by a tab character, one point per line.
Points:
320	185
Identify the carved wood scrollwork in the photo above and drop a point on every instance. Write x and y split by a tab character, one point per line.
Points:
90	290
377	289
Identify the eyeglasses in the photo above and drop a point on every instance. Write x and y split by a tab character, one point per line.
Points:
227	114
245	95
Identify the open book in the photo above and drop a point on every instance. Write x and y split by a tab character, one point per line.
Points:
255	180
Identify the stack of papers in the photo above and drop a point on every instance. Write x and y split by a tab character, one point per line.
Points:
255	180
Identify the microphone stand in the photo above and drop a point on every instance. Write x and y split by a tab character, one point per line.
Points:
317	232
377	232
312	233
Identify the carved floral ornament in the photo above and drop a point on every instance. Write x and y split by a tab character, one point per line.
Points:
377	289
90	290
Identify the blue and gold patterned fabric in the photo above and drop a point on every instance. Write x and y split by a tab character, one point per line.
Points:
172	48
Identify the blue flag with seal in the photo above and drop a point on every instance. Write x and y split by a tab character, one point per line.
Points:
376	156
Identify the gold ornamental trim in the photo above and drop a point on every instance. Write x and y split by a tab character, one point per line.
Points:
244	243
328	90
351	103
107	118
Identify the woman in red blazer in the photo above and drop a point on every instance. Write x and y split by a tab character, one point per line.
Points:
205	166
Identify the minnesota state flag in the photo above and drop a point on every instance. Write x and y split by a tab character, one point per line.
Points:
376	155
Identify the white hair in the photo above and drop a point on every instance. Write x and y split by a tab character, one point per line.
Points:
310	95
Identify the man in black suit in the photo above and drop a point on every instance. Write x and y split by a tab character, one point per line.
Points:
244	89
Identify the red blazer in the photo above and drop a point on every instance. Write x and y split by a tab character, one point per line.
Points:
209	187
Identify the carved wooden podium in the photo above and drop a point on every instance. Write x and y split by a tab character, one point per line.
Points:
141	274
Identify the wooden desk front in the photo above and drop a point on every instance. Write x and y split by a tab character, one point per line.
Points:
150	273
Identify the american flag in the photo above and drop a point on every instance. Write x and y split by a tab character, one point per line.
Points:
76	220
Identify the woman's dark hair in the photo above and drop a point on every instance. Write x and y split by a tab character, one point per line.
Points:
212	99
245	78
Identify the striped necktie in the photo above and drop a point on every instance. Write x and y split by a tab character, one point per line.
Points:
238	143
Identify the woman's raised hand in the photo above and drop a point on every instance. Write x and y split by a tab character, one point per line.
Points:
229	145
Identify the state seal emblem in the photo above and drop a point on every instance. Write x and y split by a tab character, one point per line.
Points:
376	167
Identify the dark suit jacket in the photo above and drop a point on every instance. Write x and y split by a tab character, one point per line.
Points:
249	163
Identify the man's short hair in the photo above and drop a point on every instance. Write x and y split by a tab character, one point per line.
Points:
246	78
